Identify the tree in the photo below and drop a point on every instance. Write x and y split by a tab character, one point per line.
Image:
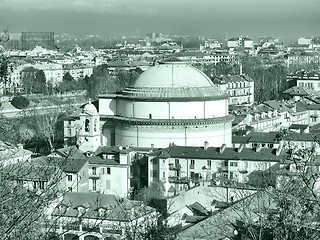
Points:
125	78
45	123
40	85
5	63
99	82
20	102
28	79
34	80
68	83
295	203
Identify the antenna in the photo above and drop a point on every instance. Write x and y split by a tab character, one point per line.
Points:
172	75
226	33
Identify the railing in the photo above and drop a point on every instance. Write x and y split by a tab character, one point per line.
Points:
174	167
94	175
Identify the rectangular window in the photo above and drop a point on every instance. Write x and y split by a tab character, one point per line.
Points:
231	175
176	161
154	173
209	163
69	178
192	164
94	184
41	184
103	171
94	171
164	174
233	164
108	170
70	189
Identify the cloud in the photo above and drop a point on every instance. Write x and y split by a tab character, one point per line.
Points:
127	7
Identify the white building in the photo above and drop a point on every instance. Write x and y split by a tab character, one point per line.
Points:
181	167
303	40
239	87
168	103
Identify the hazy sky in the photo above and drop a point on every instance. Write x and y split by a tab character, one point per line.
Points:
282	18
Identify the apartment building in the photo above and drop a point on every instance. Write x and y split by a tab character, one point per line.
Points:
181	167
240	88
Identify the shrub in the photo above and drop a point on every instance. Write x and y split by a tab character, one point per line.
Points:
20	102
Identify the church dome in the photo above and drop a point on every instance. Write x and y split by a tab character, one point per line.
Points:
174	80
172	75
90	108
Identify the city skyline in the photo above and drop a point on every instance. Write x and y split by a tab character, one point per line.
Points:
284	19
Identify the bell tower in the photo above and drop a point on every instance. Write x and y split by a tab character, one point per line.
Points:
89	134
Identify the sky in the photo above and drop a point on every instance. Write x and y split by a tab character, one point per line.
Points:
212	18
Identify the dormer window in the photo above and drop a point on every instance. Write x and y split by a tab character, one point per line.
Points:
81	210
102	212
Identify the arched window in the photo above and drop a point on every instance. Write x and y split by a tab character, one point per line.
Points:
95	125
87	125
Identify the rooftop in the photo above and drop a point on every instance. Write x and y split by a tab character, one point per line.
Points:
115	209
246	154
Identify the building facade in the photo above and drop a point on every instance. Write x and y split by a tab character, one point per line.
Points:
156	110
240	88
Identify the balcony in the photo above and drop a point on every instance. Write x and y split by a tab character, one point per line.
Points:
174	167
95	175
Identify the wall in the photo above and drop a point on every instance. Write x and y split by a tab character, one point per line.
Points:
162	136
169	110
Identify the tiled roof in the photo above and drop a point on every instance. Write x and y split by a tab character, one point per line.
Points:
238	119
118	64
307	106
36	169
71	152
240	139
299	91
9	151
116	209
107	150
221	225
247	154
271	137
281	107
299	126
99	160
198	209
233	78
73	165
262	137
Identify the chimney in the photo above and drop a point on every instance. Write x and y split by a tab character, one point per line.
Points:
278	151
20	145
206	145
240	147
258	148
152	147
222	148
